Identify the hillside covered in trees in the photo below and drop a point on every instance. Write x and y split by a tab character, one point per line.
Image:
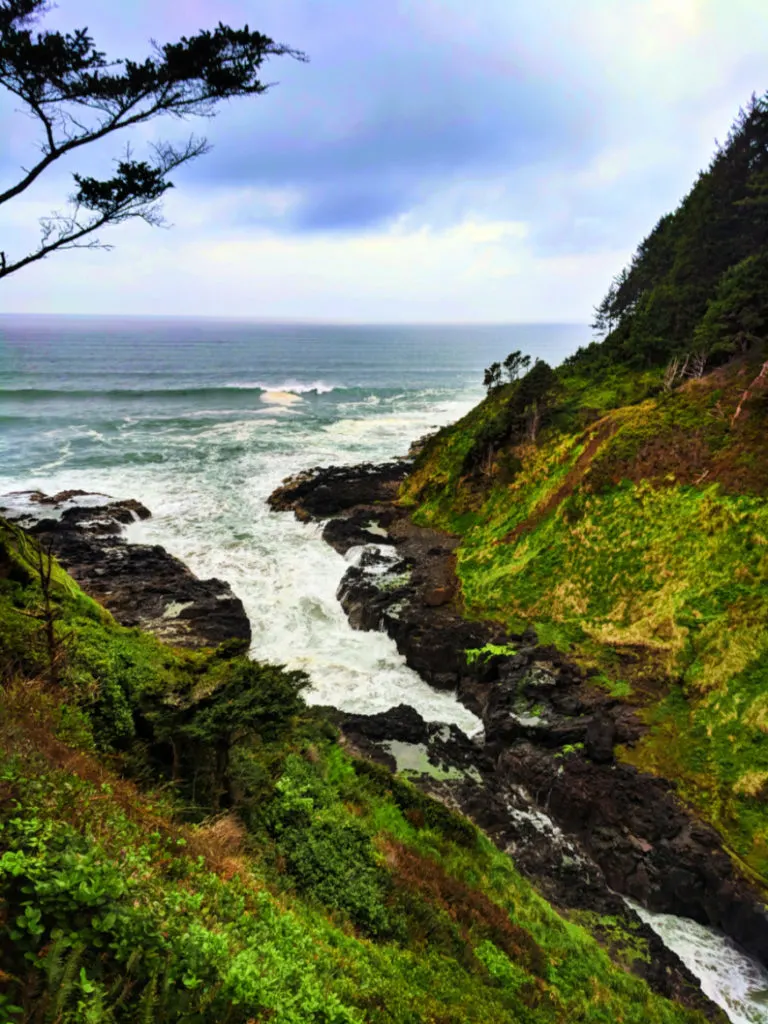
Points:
618	503
696	286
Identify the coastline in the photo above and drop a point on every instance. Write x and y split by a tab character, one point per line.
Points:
546	729
457	771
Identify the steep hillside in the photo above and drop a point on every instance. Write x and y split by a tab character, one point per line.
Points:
640	543
619	503
182	839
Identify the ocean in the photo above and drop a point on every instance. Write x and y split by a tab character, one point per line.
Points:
202	419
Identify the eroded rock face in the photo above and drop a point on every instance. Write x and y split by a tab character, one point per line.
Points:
548	729
141	585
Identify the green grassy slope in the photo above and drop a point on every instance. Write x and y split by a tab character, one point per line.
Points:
640	543
620	504
321	889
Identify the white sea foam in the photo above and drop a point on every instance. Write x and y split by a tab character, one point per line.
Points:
209	508
730	978
286	398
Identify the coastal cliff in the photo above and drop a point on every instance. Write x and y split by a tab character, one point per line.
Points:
553	722
580	559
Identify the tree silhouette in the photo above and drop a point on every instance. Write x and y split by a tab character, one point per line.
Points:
492	376
79	96
515	364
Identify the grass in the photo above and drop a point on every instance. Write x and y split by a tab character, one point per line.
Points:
296	884
635	537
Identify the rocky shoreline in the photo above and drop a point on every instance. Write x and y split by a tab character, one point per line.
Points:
542	781
141	584
549	741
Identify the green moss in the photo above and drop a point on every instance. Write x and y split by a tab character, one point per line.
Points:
616	687
623	939
489	651
572	748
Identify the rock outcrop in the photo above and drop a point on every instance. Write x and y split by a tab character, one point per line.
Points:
464	774
141	584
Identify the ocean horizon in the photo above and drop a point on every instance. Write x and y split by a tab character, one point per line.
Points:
202	418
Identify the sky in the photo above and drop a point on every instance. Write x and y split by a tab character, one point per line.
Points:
434	161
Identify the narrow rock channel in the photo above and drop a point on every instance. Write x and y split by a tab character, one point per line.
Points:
542	781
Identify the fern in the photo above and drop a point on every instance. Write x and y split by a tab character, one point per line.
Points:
62	983
94	1012
166	988
122	987
148	1003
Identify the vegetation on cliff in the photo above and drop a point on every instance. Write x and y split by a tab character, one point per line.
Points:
181	838
631	525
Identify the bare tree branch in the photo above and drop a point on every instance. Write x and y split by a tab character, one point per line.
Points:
134	192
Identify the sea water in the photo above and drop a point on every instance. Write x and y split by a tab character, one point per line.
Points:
202	419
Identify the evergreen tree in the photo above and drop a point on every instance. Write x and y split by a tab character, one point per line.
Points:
77	96
655	309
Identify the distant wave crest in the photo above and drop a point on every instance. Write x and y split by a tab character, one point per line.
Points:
293	386
202	391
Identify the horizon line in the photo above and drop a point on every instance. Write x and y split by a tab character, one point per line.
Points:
303	320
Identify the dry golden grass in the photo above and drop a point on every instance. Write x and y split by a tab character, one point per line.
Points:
751	784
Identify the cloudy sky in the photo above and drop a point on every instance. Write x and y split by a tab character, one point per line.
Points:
437	160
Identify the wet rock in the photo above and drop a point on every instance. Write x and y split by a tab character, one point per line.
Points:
361	528
461	774
141	585
647	844
399	723
438	596
57	499
324	492
600	738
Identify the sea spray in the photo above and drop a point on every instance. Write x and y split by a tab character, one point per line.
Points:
728	976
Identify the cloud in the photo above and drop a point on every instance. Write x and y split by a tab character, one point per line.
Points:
564	128
474	270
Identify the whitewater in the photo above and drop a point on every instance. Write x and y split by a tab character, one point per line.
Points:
201	420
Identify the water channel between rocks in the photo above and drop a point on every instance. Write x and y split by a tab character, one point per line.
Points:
363	672
211	513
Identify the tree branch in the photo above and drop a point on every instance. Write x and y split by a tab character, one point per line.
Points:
79	97
182	79
134	192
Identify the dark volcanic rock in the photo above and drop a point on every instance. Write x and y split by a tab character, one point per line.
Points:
648	845
600	738
399	723
548	731
141	585
461	773
362	527
320	493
